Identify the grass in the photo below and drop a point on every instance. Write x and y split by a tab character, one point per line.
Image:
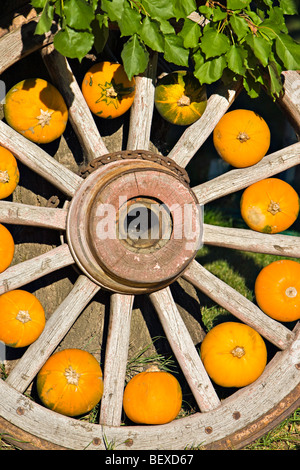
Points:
239	270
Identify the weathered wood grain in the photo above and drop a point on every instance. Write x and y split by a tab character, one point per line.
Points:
238	305
237	179
141	111
22	273
25	214
289	102
116	354
80	115
55	329
231	421
196	134
20	43
39	161
184	350
249	240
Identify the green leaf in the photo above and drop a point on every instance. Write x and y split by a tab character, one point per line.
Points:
261	48
46	19
113	8
252	87
79	14
135	56
182	9
174	51
275	86
236	59
274	24
151	35
237	4
101	32
130	21
73	44
213	43
211	70
206	11
239	26
38	3
158	9
288	7
190	33
219	14
288	51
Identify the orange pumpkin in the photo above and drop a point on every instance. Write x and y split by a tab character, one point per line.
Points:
179	98
152	397
241	138
233	354
9	173
22	318
270	205
70	382
277	290
36	109
107	90
7	248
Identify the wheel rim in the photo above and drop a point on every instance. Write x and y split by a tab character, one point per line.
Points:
232	430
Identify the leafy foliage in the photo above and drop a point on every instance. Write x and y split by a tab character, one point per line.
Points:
237	39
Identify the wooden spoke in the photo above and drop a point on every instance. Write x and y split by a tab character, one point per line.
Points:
116	359
238	305
248	240
142	108
39	160
196	134
22	273
237	179
20	43
184	350
55	329
289	102
24	214
80	115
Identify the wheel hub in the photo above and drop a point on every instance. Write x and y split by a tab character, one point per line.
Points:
134	226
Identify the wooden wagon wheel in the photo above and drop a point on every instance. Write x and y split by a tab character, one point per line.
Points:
227	424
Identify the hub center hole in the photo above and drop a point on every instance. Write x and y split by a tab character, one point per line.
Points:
144	224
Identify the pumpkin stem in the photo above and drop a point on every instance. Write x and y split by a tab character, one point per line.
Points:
45	117
274	207
291	292
4	176
23	316
111	92
72	376
238	351
243	137
184	101
153	368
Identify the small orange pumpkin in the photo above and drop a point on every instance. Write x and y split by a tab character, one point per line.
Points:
270	205
179	98
36	109
241	138
233	354
70	382
277	290
107	90
152	397
22	318
9	173
7	248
